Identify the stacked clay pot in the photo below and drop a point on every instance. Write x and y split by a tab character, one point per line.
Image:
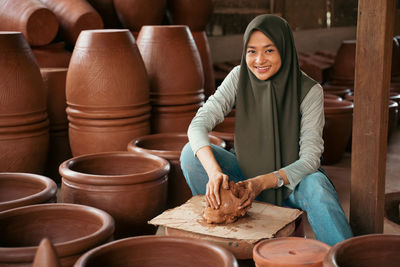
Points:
52	56
74	16
337	129
158	251
134	14
36	22
73	230
107	92
366	250
169	147
131	187
22	189
59	149
290	251
24	127
176	77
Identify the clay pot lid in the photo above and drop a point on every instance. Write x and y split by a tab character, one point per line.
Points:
290	251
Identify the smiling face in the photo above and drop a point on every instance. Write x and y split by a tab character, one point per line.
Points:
262	56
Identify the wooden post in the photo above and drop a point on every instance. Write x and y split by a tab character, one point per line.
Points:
370	119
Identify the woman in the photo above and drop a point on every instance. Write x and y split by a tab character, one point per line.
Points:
278	133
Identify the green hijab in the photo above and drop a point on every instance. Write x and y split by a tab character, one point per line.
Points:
268	114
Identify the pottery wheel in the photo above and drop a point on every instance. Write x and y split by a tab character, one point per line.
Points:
263	221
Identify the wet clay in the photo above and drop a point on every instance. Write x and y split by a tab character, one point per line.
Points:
228	211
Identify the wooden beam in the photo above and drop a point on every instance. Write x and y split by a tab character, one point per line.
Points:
370	119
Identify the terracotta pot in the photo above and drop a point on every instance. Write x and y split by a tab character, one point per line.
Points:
337	129
206	61
24	133
337	89
107	12
193	13
367	250
29	17
149	251
343	68
131	187
59	149
332	96
73	229
392	209
133	14
107	105
290	252
52	56
74	16
172	119
22	189
169	147
226	131
166	51
46	255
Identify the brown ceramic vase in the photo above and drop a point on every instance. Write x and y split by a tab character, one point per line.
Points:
29	18
52	56
366	251
23	189
337	129
131	187
133	14
59	149
206	61
73	230
106	10
148	251
74	16
392	209
226	131
289	252
107	92
24	133
193	13
169	147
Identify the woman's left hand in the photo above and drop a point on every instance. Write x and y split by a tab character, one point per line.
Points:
253	188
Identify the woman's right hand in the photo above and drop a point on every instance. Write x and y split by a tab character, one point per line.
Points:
216	180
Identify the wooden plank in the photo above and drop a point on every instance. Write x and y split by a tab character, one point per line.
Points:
372	79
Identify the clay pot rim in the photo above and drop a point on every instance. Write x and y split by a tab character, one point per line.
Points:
258	258
49	191
393	104
123	179
344	106
224	254
354	242
63	249
134	145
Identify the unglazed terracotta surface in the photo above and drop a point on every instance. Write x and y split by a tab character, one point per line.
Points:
133	14
29	17
74	16
290	252
46	255
108	105
73	230
22	189
366	251
169	147
228	211
24	132
337	129
131	187
149	251
52	56
196	14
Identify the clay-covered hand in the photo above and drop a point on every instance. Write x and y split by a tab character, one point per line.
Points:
252	188
215	180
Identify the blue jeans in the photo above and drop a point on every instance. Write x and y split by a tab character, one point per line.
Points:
314	194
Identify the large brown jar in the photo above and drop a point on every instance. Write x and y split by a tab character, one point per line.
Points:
107	12
196	14
29	18
24	127
22	189
73	230
169	147
148	251
131	187
107	92
53	55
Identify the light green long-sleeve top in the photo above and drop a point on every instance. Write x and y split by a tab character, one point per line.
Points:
312	123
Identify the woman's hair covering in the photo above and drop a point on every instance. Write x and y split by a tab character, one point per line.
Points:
267	126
